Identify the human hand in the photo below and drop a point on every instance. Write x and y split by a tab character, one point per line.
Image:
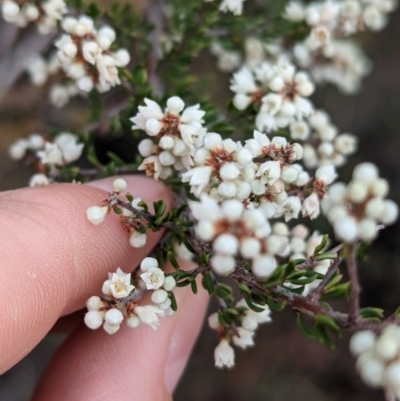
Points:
52	261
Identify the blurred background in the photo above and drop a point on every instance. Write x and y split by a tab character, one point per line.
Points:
284	365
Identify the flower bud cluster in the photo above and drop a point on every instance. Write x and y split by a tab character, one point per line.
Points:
86	57
44	13
241	336
176	133
120	304
225	169
356	210
129	220
234	231
51	155
329	58
279	92
321	143
378	357
49	72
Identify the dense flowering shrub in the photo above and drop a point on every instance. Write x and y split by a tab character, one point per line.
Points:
248	180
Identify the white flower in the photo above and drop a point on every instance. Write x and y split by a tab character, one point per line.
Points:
153	278
244	339
38	179
149	314
198	178
120	285
224	355
235	6
96	214
294	11
291	208
51	154
310	206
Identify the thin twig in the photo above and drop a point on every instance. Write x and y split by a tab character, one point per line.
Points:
354	299
313	260
389	395
316	295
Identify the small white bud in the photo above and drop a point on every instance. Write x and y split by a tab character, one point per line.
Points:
96	214
212	141
365	172
367	229
94	319
133	321
175	105
223	264
289	174
114	317
120	185
94	303
227	244
85	84
227	189
250	247
390	212
345	229
10	10
372	372
249	322
392	375
110	329
166	142
169	283
229	171
241	101
213	321
362	341
205	230
379	187
122	57
232	208
166	158
147	263
31	12
153	127
159	296
137	239
357	191
147	147
263	266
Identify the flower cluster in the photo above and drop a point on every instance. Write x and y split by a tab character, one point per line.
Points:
356	210
321	143
241	336
176	133
233	231
51	154
329	58
130	221
86	57
225	169
378	357
279	92
44	72
120	301
44	13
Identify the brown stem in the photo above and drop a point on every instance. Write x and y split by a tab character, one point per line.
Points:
354	299
316	295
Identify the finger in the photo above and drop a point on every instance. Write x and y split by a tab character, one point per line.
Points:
53	259
132	365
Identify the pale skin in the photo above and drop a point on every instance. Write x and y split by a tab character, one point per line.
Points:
52	261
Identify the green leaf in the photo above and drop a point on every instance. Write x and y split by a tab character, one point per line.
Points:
370	312
276	306
304	281
327	322
323	337
252	306
174	305
222	320
307	332
339	291
223	291
172	260
208	283
326	255
322	245
193	284
243	288
129	197
117	210
143	205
